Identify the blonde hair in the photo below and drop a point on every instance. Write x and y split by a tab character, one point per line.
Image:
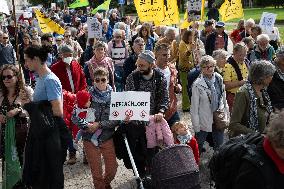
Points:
177	126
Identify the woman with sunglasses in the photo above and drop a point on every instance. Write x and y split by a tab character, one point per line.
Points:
208	96
12	96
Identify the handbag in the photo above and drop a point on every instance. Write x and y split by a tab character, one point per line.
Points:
219	119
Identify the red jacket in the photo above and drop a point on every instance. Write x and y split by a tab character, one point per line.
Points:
78	76
194	146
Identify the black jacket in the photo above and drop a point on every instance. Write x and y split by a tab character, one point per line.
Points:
46	146
276	91
251	177
210	43
129	66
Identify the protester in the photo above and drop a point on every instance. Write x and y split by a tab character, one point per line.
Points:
252	104
274	36
52	148
213	13
235	72
255	31
234	35
247	32
208	96
12	96
270	152
7	53
26	43
262	50
217	39
74	44
46	42
83	37
149	41
220	56
249	42
276	87
162	54
101	95
208	29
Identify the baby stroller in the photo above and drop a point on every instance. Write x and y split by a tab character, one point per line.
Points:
175	168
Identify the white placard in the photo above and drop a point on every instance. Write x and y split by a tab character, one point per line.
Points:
194	10
132	103
95	29
27	14
53	6
267	21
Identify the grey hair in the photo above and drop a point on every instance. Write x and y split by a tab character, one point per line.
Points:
260	70
240	46
262	37
170	29
117	32
220	53
163	29
120	25
139	40
275	129
205	60
250	22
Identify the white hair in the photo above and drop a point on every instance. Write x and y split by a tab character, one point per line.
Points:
170	29
117	32
262	37
250	22
120	25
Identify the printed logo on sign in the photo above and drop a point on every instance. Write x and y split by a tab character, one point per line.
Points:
115	113
143	114
129	113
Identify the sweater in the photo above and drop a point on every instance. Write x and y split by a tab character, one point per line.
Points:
7	55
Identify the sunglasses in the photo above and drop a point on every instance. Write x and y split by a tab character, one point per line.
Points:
97	80
7	76
5	37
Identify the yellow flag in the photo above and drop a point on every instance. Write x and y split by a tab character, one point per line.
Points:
231	9
171	14
149	10
47	25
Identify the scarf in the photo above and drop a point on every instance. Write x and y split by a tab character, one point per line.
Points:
211	83
101	96
184	139
273	155
253	116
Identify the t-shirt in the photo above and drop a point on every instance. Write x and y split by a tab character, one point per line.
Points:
167	74
231	75
48	88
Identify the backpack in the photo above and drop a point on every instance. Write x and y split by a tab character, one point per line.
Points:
227	160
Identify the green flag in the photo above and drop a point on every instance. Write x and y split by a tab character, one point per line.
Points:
104	6
12	167
79	3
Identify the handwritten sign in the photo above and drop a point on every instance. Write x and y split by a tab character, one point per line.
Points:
231	9
134	104
47	25
267	21
149	10
194	8
95	28
171	14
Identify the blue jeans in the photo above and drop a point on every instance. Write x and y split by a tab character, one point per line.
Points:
173	119
217	135
118	75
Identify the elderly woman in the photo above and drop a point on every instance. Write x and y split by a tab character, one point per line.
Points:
220	56
270	150
208	96
252	103
99	60
12	96
262	50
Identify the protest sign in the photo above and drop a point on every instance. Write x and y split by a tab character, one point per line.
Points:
94	28
150	10
134	104
53	6
231	9
267	21
171	14
27	14
194	10
4	7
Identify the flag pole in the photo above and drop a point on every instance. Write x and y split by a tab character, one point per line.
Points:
16	46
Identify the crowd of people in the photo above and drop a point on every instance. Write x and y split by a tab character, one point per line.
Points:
69	79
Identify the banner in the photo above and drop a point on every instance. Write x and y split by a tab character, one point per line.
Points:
195	10
47	25
134	104
104	6
231	9
95	29
267	21
171	14
150	10
79	3
4	7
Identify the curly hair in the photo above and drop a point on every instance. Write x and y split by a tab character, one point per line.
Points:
16	72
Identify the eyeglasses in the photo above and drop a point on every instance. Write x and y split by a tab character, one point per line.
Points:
97	80
7	76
